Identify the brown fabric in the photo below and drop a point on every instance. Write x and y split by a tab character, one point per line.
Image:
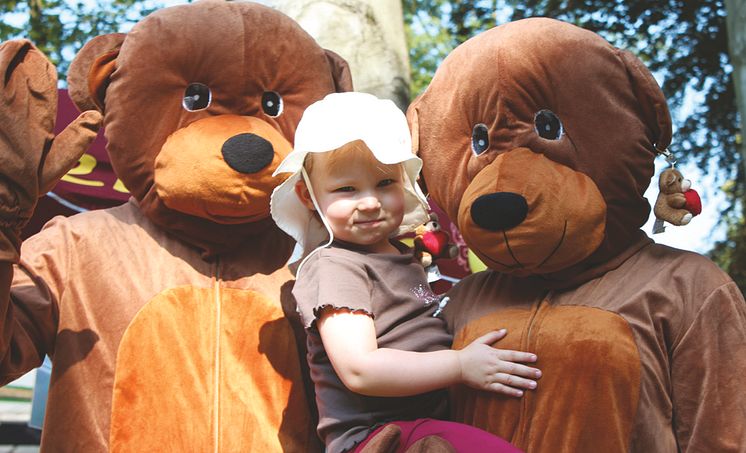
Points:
340	71
32	157
254	375
260	50
502	78
67	148
386	441
98	77
84	64
26	351
597	396
10	245
393	289
641	346
124	301
27	111
108	295
648	357
653	105
209	191
566	209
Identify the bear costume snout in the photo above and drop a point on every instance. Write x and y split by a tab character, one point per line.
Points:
499	211
193	175
551	201
247	153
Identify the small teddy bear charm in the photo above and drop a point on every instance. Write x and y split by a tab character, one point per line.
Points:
677	202
431	242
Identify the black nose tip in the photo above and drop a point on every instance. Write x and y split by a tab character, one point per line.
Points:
247	153
499	211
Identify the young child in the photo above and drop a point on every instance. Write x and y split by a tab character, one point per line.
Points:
377	354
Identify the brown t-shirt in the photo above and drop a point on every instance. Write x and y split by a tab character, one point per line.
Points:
393	290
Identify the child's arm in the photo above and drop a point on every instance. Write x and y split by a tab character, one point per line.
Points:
350	342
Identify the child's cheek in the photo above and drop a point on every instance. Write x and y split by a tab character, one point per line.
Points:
339	210
395	201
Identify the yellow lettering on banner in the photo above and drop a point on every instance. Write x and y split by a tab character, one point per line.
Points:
119	186
85	166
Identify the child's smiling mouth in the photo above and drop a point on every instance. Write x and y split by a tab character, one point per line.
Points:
368	223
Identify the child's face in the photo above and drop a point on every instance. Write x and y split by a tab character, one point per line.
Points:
361	199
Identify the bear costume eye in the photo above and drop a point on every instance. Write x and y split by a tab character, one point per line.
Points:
272	104
196	97
480	140
548	125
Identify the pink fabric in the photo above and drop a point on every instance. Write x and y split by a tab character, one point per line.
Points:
464	438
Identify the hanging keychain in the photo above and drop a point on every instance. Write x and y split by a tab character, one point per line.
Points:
677	202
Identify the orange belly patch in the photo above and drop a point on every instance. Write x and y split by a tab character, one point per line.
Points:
219	372
587	397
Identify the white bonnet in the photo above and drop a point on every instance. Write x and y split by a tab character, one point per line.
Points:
328	124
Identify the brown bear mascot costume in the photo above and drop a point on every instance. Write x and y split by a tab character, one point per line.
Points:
163	316
538	139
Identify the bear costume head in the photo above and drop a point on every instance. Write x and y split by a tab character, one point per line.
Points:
200	103
538	138
197	145
548	148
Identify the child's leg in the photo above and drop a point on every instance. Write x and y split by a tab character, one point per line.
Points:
463	438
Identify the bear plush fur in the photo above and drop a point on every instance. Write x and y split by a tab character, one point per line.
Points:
163	317
671	203
432	243
538	139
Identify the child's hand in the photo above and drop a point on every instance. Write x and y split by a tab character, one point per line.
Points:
486	368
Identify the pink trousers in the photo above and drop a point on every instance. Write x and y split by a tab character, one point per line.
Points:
464	438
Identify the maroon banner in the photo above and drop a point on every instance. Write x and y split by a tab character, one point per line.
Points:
92	184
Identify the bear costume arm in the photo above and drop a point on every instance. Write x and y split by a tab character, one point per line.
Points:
34	159
709	404
32	291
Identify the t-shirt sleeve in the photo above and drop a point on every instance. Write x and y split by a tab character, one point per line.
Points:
326	281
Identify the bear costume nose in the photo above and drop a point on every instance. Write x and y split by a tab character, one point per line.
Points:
247	153
499	211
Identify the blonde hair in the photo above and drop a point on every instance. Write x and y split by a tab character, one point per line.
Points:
355	151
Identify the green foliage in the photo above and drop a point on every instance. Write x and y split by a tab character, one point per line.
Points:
60	28
435	27
730	254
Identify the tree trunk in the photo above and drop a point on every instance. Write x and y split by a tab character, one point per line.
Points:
736	20
369	34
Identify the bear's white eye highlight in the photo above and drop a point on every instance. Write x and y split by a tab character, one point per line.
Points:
480	139
548	125
197	96
272	104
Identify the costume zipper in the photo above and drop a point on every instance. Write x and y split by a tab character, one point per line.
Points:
216	362
527	395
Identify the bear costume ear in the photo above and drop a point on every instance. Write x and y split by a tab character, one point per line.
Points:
91	69
651	100
340	72
414	127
